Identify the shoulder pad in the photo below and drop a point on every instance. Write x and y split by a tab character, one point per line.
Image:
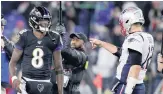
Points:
53	35
23	31
55	32
136	36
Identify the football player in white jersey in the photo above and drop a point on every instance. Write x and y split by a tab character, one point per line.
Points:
135	53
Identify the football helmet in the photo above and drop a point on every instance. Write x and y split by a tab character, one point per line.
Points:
37	15
128	17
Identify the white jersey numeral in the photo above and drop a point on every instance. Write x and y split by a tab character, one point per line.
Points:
37	60
148	58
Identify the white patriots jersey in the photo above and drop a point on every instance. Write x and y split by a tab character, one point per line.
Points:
141	42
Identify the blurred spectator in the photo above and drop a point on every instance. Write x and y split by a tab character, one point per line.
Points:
6	53
155	15
114	18
105	66
157	77
12	20
128	4
146	8
103	12
116	36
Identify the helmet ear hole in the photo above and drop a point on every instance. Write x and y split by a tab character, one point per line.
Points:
36	26
127	21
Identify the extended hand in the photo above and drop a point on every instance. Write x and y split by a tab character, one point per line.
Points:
159	58
95	42
160	62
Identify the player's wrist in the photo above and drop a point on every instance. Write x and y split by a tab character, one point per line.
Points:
14	78
60	91
100	43
59	72
131	82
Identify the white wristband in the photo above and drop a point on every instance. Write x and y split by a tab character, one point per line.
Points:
131	82
13	78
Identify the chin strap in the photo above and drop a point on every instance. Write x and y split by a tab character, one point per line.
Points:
43	29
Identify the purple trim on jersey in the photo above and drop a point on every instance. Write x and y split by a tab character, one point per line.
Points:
18	47
58	48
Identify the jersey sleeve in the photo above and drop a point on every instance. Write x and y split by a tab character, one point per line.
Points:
59	44
135	42
20	41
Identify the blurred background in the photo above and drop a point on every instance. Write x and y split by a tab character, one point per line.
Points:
98	20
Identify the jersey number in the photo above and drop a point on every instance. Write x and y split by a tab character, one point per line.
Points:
37	60
149	57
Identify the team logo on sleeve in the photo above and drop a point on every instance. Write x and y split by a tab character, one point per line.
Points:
150	39
133	40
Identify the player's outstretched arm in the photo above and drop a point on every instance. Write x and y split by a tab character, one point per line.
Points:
108	46
59	70
12	66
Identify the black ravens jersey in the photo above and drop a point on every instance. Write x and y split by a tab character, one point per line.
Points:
37	53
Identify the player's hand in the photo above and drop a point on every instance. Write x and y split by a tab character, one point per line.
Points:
95	42
2	43
160	62
16	84
159	58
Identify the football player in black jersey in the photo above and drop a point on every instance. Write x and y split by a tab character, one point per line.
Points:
37	47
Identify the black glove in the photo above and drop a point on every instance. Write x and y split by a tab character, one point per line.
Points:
60	28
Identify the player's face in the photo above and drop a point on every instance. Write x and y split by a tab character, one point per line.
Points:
44	23
76	43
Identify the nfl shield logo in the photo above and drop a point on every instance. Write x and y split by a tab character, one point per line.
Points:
39	42
40	87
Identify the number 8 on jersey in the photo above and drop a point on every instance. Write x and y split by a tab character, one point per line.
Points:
37	60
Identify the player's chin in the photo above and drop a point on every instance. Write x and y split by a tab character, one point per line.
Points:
73	46
159	69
